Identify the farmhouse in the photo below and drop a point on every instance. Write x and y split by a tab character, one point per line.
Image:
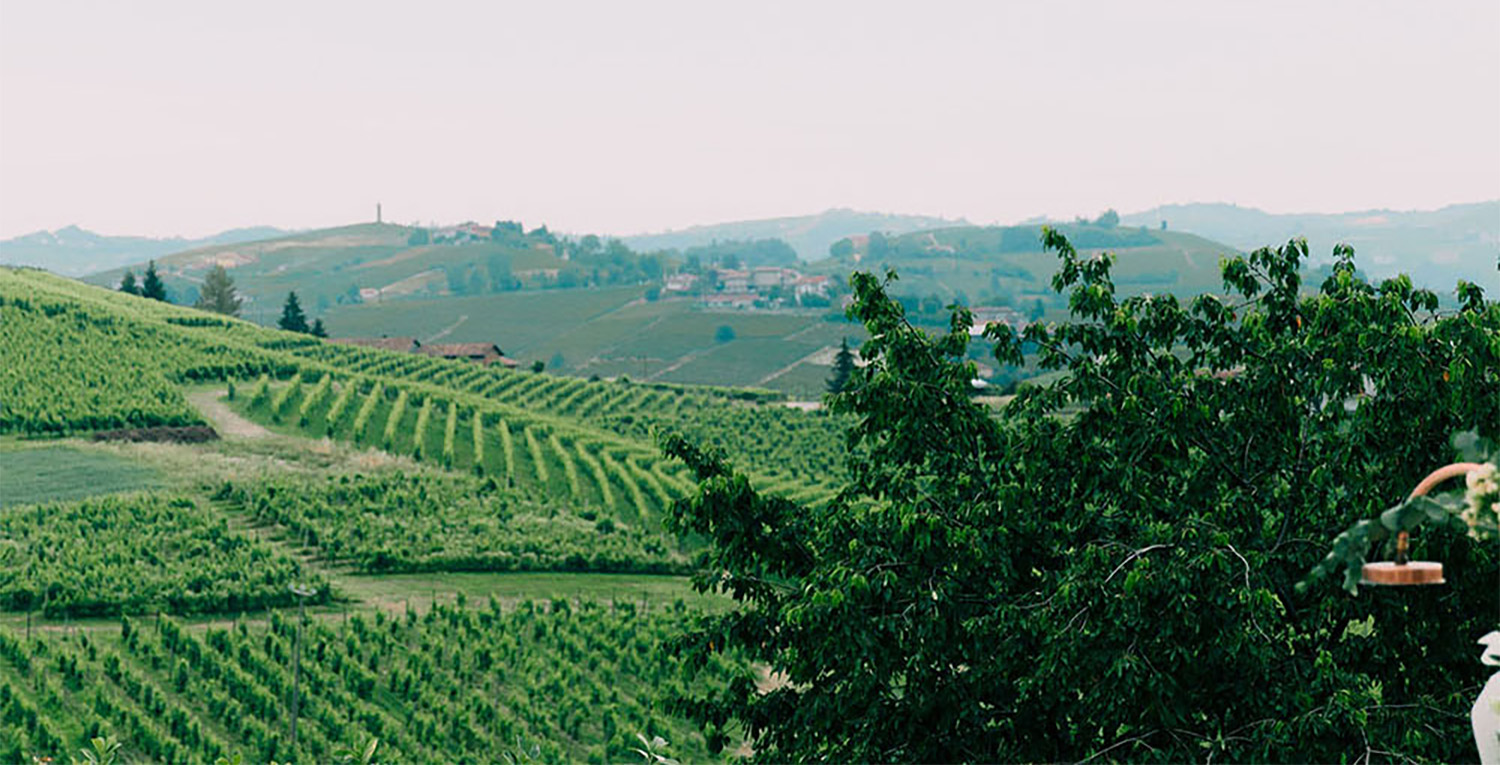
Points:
766	277
730	300
986	315
480	353
810	285
734	281
681	282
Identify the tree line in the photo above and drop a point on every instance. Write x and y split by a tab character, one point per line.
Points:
220	296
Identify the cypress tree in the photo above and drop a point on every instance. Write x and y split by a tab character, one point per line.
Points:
151	286
218	293
843	366
128	284
318	329
292	317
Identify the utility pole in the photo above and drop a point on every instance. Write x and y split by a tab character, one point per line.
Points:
377	213
302	592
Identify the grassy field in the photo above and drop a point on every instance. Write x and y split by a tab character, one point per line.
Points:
61	473
612	332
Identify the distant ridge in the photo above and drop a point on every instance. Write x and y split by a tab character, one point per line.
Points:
74	251
1434	247
809	235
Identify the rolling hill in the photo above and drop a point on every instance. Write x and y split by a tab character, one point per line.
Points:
381	490
1434	247
73	251
1005	265
809	235
332	266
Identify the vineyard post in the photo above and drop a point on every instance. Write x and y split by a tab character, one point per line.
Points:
302	592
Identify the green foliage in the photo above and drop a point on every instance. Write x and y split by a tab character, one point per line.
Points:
458	683
745	253
393	422
1107	569
724	333
151	286
101	751
217	294
128	284
133	554
843	367
292	318
450	432
1475	508
390	523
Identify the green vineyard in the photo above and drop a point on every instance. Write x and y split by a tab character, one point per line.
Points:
401	522
461	682
167	626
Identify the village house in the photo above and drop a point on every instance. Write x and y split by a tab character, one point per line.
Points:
462	233
681	282
766	277
479	353
730	300
810	285
987	315
734	281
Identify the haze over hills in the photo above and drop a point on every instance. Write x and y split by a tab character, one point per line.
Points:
809	235
74	251
1434	247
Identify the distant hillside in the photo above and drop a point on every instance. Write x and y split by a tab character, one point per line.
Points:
809	235
1005	265
1435	248
73	251
381	262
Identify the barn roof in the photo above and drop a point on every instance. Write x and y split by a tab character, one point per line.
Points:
462	349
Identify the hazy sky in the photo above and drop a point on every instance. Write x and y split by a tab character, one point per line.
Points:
622	117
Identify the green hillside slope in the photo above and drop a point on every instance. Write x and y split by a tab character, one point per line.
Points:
331	266
393	487
1005	265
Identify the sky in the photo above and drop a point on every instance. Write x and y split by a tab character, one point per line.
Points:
162	118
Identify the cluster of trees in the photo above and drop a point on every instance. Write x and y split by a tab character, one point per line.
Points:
739	254
150	286
293	319
982	243
218	295
1109	568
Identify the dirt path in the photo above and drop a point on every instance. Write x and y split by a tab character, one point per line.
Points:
816	357
222	417
448	330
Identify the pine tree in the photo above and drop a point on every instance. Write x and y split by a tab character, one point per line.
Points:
318	330
151	286
843	366
292	318
218	293
128	284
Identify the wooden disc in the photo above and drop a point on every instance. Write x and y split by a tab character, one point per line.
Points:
1415	572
